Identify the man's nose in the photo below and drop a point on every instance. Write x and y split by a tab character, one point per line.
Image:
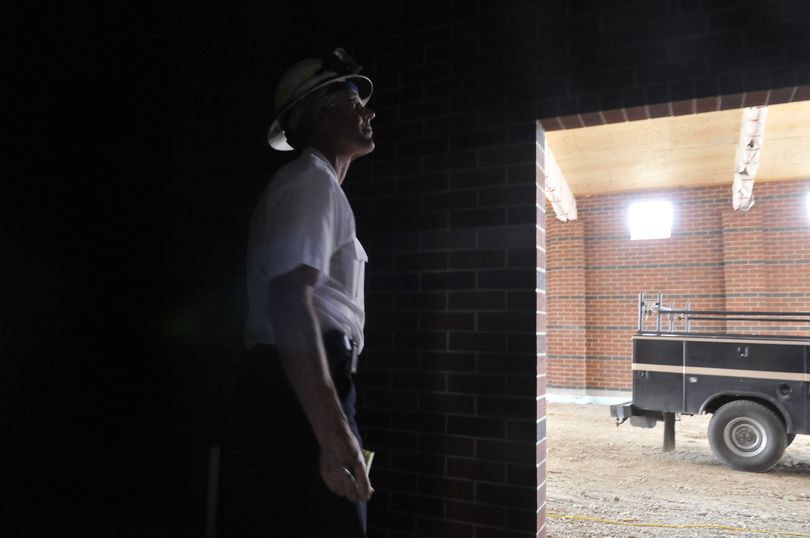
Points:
368	113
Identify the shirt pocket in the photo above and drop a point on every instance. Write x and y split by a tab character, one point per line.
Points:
360	259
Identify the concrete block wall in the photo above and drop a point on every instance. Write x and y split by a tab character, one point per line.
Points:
136	152
717	259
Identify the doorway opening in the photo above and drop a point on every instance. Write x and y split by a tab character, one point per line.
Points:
717	257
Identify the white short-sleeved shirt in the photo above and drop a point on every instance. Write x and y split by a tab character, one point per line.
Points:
303	217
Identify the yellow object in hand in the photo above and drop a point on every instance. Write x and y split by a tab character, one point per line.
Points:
368	455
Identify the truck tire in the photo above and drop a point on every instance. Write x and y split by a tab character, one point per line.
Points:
747	436
790	438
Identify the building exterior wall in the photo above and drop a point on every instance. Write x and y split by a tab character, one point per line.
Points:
716	259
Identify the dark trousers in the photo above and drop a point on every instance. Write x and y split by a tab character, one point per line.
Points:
285	496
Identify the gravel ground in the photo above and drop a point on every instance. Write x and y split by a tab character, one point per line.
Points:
600	471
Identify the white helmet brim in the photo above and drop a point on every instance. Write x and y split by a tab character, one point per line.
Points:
276	136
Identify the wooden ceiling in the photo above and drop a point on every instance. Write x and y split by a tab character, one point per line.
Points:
681	151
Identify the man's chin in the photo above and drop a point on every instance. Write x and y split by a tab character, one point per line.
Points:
368	145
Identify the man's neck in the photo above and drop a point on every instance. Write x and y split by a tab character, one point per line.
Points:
338	161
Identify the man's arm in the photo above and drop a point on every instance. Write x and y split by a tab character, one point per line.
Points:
299	341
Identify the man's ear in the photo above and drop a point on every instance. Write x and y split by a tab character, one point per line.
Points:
320	120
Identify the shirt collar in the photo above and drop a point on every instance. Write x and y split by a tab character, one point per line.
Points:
320	156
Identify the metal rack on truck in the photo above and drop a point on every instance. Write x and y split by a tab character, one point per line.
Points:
757	387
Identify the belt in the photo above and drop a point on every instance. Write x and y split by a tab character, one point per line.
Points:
338	340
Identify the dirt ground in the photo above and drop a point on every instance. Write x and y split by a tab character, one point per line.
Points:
597	470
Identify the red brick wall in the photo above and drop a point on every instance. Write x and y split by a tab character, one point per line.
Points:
717	259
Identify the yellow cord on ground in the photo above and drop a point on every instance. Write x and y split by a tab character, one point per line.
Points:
673	526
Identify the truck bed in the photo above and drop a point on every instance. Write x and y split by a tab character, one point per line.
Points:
686	373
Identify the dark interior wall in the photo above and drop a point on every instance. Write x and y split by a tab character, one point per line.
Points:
135	152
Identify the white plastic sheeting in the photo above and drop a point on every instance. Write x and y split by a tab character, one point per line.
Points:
746	161
557	190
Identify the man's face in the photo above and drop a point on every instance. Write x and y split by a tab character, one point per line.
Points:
349	123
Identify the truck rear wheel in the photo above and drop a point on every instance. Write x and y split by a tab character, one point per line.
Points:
747	436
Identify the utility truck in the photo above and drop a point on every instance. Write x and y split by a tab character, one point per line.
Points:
757	387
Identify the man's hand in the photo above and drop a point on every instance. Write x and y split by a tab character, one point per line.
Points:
344	469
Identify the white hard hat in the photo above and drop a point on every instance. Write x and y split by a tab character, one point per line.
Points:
306	77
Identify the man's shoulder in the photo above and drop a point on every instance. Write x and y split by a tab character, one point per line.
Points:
302	182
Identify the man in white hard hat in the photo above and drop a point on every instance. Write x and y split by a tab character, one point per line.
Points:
304	329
